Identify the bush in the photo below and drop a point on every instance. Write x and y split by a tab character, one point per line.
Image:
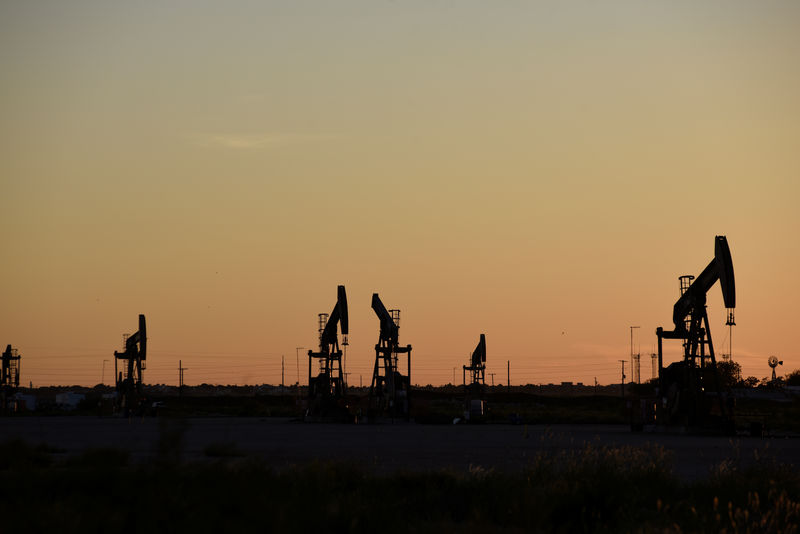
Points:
793	378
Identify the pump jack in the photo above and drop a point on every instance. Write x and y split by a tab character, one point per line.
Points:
475	402
389	391
689	390
129	378
9	377
326	390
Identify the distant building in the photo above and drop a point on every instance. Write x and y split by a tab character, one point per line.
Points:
25	402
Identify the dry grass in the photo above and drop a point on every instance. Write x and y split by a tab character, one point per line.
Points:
595	489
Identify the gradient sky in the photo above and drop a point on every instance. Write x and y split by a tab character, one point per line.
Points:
538	172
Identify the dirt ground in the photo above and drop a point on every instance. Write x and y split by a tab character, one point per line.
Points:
384	447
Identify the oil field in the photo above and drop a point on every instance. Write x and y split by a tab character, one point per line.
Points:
381	266
691	449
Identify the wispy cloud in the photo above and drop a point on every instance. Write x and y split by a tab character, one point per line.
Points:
261	141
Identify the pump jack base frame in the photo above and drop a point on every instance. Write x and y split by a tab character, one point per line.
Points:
643	413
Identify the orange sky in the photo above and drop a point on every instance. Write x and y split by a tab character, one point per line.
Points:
538	173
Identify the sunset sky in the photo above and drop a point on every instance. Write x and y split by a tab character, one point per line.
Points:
538	172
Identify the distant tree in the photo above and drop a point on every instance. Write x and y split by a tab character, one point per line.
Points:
750	382
793	378
729	373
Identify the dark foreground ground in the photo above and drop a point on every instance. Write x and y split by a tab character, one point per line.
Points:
384	448
90	474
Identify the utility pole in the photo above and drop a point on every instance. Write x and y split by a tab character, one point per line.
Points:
632	355
623	378
492	375
181	369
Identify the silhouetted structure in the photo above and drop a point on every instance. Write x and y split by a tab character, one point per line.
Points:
690	389
475	390
773	362
181	369
390	391
634	358
326	389
133	361
9	377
